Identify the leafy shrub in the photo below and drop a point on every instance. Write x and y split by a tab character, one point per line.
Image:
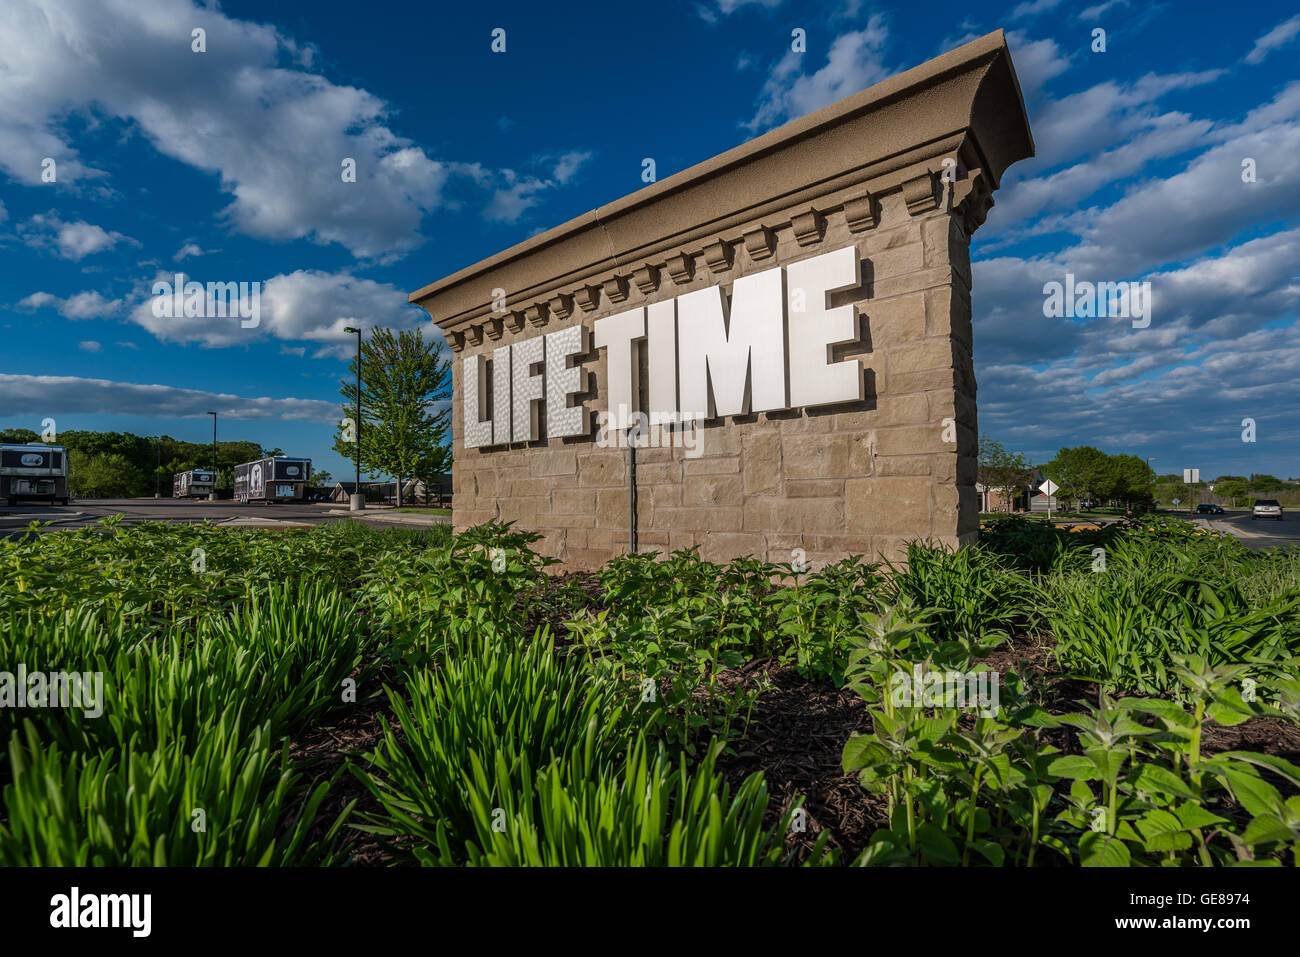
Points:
965	789
515	708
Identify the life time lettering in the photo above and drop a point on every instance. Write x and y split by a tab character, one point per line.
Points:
778	323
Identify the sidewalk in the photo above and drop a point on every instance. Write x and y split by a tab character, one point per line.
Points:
386	513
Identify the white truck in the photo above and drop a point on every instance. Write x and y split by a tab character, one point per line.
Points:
196	483
34	470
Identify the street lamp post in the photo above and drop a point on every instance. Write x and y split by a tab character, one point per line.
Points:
212	496
357	501
1150	478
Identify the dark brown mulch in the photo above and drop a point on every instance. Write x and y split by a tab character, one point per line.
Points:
795	736
557	597
322	750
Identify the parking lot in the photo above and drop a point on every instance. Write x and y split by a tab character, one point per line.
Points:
81	513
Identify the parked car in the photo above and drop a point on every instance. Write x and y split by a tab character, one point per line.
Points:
1209	510
1266	508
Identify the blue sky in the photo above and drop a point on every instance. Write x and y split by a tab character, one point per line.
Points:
225	165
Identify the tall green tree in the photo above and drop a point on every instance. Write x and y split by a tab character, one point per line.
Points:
1128	478
102	475
1080	472
404	380
1002	470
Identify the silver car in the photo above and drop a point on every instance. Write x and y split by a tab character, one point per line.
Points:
1266	508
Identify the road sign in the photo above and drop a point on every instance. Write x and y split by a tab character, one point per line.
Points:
1048	488
1177	501
1191	476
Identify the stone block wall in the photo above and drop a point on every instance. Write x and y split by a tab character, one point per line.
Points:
904	173
860	478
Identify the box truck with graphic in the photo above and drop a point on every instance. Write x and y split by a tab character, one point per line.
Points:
277	479
34	470
196	483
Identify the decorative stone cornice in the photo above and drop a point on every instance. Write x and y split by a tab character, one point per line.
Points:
615	289
973	198
760	243
889	138
455	341
718	255
537	313
920	194
646	279
474	336
808	227
494	328
861	214
681	267
514	320
561	305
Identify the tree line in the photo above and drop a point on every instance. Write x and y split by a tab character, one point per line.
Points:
1081	474
404	430
1084	473
126	465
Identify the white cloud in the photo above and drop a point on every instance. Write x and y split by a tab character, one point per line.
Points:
73	241
1033	7
567	166
245	111
855	61
83	305
89	345
305	305
54	395
713	12
37	300
1037	63
1214	353
189	249
1279	36
1105	133
1169	219
517	194
1095	12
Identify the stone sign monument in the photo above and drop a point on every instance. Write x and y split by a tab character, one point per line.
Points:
783	332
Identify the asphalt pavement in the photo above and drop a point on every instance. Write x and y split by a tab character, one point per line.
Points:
86	512
1256	533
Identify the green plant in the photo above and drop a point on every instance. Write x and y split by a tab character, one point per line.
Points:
641	811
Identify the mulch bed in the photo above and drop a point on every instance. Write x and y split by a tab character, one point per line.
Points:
321	751
795	736
798	728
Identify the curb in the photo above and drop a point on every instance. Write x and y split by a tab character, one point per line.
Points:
381	516
28	518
